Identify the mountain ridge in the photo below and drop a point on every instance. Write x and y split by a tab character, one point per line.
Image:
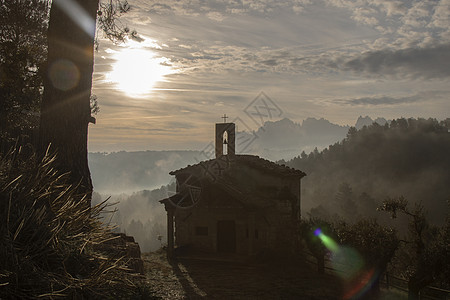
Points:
129	171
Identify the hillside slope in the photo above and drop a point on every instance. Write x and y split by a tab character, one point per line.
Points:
407	157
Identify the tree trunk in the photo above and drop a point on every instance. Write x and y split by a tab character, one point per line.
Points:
418	282
65	110
414	287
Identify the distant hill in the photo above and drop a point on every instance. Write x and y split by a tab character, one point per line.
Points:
406	157
127	172
367	121
285	139
140	215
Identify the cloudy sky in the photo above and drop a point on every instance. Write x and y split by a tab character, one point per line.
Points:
266	60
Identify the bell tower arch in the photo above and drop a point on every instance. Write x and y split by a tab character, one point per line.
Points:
225	139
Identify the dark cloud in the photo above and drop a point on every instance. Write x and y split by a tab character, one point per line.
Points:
232	98
388	100
219	7
270	62
226	52
382	100
411	63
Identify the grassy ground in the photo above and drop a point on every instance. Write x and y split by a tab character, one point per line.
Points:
193	278
224	278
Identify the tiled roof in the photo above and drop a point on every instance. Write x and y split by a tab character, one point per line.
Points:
264	164
252	161
250	199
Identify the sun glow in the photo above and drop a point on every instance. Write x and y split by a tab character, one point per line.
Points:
137	70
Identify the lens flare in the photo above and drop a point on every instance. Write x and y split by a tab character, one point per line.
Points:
362	285
349	265
326	240
347	261
78	15
64	74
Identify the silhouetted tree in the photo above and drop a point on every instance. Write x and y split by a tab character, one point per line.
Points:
408	157
375	243
428	247
303	155
345	202
65	110
23	26
352	131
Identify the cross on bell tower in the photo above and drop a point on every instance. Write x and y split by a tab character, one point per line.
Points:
225	138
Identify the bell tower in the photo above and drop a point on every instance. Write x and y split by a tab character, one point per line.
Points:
225	138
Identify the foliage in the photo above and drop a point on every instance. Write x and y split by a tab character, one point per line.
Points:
108	17
95	109
313	242
407	156
425	257
23	52
66	107
376	244
51	244
23	26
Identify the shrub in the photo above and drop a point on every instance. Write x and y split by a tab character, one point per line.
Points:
52	243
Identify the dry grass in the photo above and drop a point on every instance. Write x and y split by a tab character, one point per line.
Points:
53	244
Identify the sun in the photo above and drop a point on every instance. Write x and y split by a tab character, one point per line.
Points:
136	71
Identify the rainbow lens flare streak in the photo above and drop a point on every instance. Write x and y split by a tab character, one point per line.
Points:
349	265
326	240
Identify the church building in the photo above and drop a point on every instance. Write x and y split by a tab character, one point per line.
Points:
234	203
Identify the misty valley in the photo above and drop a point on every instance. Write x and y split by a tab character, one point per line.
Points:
367	187
362	166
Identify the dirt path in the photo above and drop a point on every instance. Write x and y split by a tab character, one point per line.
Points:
190	278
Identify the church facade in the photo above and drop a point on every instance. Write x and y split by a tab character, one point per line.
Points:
234	203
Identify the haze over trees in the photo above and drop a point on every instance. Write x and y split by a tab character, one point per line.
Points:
282	139
351	181
140	215
407	157
128	172
424	258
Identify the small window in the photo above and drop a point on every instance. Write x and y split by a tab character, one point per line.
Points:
201	230
225	143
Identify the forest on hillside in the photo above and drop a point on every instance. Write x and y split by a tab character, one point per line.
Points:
407	157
